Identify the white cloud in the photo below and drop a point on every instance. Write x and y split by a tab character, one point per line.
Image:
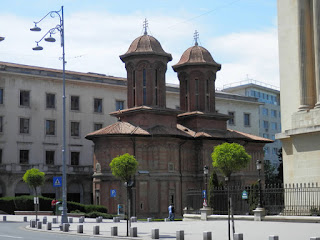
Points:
254	54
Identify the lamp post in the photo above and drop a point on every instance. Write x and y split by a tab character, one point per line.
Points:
228	194
60	28
205	172
259	166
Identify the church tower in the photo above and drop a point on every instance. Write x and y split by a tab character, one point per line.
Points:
146	65
197	74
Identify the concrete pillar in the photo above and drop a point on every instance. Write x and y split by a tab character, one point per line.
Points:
180	235
44	220
33	223
25	219
81	220
207	236
54	220
149	219
133	232
259	214
80	229
71	220
4	218
238	236
39	225
316	39
273	237
155	233
114	231
167	220
133	219
65	227
49	226
96	230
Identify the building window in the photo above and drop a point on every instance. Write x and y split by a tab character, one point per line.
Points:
24	156
98	105
274	151
97	126
1	124
75	158
197	93
246	119
24	98
134	87
75	129
265	135
266	150
156	87
50	157
75	103
119	105
170	167
273	113
144	81
24	125
231	120
265	124
265	111
50	100
50	127
1	96
274	126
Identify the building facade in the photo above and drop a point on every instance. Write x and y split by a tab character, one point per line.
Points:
298	26
269	118
172	146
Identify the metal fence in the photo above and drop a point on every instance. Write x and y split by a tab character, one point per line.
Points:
289	199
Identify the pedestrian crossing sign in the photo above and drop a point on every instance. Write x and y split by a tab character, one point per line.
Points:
57	181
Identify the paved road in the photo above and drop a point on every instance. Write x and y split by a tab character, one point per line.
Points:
193	230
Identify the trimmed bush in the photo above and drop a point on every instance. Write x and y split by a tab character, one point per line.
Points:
99	214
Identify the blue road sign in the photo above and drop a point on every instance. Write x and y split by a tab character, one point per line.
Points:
113	193
57	181
204	193
244	195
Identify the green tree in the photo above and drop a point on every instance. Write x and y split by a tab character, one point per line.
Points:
229	158
124	167
34	178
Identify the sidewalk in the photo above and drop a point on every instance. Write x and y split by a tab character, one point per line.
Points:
192	229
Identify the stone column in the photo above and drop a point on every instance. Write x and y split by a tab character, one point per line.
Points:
305	53
316	39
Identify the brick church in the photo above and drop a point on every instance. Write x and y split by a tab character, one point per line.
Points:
172	146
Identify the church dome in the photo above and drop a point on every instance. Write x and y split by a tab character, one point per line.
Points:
196	55
146	44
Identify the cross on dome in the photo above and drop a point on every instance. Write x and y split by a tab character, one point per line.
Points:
196	37
145	26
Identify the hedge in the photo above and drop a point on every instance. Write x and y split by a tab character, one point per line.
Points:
25	203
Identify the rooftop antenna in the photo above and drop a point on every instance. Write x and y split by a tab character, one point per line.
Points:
196	37
145	25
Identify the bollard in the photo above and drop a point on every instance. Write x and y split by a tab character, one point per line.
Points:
49	226
101	218
238	236
65	227
149	219
4	218
155	233
133	232
133	219
25	219
81	220
44	220
167	220
273	237
80	229
39	225
207	236
98	219
116	219
114	231
315	238
96	230
54	220
71	220
33	223
180	235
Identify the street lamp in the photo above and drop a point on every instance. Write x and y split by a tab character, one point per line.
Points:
228	195
259	166
60	28
205	172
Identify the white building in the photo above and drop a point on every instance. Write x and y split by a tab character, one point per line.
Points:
269	118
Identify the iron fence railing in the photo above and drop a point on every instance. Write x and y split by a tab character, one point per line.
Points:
289	199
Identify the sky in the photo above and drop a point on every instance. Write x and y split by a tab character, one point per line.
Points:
241	35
